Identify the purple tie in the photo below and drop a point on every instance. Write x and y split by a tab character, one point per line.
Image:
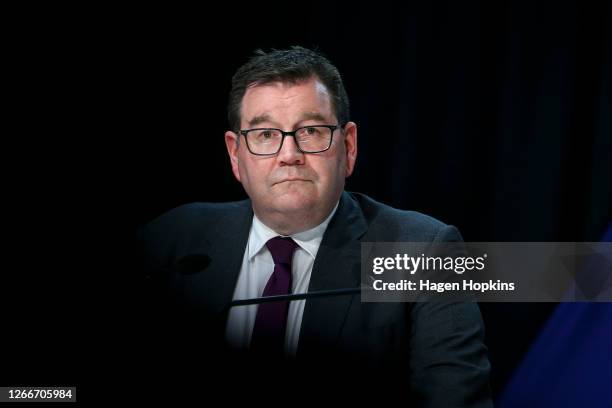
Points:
269	331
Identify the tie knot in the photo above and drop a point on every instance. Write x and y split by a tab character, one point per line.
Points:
281	249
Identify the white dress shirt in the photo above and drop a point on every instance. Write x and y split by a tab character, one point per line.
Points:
257	267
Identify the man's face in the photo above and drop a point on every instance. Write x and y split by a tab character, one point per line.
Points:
292	182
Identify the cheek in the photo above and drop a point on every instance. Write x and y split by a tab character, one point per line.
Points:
252	174
331	171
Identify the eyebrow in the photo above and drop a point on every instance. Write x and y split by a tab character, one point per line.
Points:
312	116
259	119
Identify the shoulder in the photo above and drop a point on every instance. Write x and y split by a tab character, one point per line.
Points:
190	225
193	215
386	223
188	214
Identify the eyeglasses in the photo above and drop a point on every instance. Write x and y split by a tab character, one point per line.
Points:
308	139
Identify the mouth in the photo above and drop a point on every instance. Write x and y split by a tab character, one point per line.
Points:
290	180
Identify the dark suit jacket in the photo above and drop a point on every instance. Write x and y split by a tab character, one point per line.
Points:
432	353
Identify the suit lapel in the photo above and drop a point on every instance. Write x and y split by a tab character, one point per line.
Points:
225	242
336	266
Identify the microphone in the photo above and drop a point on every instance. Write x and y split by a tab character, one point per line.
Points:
194	263
294	296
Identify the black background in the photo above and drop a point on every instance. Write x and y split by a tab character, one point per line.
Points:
491	116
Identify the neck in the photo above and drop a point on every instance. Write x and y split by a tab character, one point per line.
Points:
289	223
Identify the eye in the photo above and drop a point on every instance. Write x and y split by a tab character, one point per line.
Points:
266	134
311	130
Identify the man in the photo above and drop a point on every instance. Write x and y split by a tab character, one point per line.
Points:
291	146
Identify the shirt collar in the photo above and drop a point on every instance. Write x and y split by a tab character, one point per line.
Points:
309	240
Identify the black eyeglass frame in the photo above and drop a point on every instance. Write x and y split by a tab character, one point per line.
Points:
333	128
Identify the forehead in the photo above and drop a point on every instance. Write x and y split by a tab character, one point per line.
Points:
277	99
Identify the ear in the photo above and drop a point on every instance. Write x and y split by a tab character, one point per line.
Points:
232	142
350	144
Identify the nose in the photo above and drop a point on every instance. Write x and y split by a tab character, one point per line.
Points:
289	153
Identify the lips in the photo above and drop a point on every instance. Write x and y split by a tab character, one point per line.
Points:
291	179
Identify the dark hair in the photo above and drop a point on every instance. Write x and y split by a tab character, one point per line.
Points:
291	66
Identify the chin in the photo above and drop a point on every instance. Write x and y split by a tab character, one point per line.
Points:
295	201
